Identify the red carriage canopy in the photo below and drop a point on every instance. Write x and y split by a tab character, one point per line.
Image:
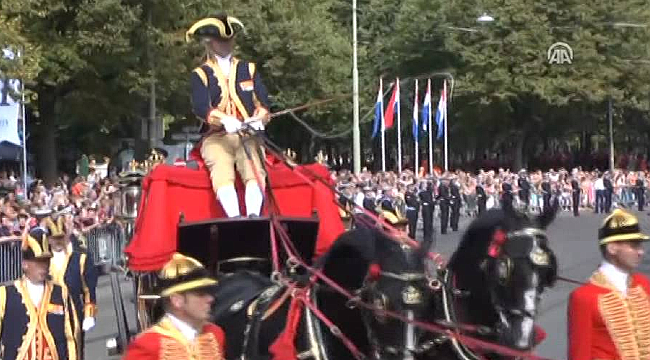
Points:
169	191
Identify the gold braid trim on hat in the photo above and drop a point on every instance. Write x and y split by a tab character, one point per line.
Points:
29	243
215	22
186	286
627	319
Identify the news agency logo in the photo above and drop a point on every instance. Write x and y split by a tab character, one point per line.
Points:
559	53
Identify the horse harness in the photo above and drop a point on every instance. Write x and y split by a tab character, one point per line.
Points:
269	302
411	295
537	255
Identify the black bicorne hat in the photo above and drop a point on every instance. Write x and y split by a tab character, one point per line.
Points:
35	245
220	27
56	228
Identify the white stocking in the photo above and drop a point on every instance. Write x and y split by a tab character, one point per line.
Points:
228	198
254	198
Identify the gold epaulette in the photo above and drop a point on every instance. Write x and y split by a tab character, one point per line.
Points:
202	75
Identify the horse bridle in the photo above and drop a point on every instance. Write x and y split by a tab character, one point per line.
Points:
538	256
411	295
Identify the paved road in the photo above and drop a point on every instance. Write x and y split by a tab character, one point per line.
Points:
573	240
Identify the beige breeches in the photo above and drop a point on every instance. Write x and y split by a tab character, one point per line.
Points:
222	153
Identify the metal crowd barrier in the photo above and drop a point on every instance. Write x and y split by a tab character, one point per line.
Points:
106	244
10	259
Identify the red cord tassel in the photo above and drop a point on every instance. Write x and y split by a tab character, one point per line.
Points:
283	348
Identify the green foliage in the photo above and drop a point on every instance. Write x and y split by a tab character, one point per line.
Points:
90	63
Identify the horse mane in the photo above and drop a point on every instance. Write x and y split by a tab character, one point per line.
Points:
349	258
476	239
347	261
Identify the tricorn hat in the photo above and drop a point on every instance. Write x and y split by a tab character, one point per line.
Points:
35	245
56	228
217	27
41	213
620	226
183	273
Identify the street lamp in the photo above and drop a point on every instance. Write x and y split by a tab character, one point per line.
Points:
485	18
610	111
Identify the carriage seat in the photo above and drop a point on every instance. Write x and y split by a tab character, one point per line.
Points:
245	243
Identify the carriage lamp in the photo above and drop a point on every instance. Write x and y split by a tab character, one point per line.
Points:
321	158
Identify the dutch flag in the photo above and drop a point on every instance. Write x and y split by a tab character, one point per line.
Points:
415	113
378	111
441	113
392	107
426	108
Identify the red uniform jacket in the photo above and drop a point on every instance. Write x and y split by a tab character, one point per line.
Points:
164	341
604	324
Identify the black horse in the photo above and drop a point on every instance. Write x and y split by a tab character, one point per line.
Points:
254	312
495	280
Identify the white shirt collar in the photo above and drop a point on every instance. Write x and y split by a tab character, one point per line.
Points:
224	64
188	331
35	292
615	276
58	259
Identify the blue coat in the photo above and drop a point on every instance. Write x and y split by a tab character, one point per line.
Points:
55	317
247	90
80	279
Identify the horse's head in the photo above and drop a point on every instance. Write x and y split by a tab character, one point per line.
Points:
503	265
391	277
396	282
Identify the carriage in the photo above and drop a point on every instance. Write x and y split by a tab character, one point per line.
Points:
166	209
368	292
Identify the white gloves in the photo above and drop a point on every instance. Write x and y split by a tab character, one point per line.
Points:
231	124
88	324
255	123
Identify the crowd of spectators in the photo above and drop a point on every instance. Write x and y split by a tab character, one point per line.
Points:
625	185
88	198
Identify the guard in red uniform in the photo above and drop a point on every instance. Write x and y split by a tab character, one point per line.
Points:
184	332
609	317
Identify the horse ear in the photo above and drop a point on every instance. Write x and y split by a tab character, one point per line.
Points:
548	215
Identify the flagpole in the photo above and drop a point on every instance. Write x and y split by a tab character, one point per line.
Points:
383	128
430	130
356	132
417	130
399	132
446	124
24	140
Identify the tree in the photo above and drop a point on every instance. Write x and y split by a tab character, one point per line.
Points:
95	64
302	55
505	61
21	58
